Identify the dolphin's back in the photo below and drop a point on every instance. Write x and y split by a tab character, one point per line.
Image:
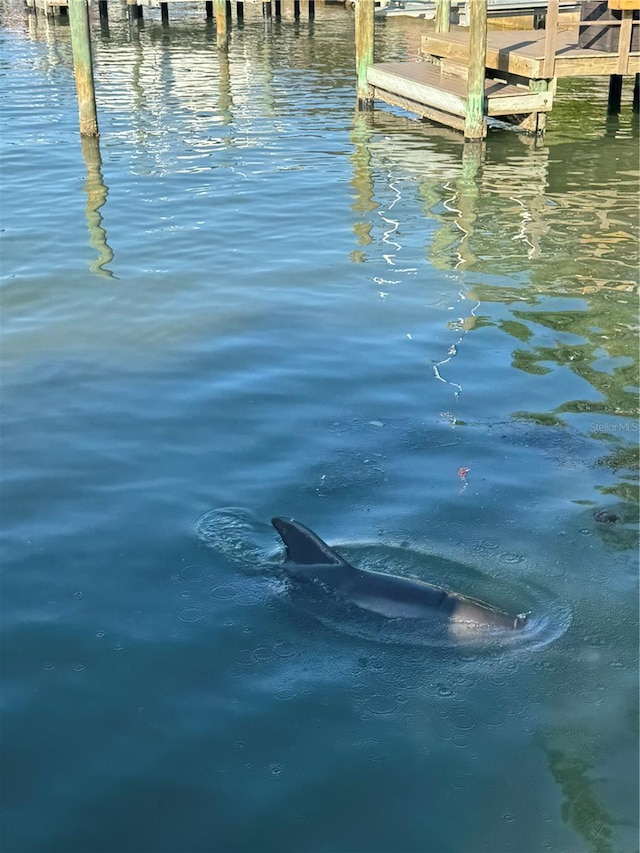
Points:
393	596
304	547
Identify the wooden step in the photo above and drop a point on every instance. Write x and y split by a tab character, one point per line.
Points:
423	83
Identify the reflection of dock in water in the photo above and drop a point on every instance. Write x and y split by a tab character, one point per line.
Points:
544	261
496	215
451	180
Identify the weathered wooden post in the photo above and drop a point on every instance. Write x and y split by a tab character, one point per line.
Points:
277	9
266	9
475	123
624	47
296	10
103	10
208	10
240	10
82	66
312	9
443	16
364	25
636	94
222	34
164	13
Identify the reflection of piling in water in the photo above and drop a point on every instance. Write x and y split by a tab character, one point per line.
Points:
467	200
362	181
225	101
96	197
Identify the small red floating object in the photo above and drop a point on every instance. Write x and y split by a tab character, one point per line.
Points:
462	473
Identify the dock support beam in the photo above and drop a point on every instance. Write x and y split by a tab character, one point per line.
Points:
443	16
475	124
222	33
82	66
636	95
364	51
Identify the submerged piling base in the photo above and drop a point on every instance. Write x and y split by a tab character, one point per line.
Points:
615	94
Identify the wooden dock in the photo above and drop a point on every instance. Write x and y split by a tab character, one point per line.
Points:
471	74
522	53
468	77
422	88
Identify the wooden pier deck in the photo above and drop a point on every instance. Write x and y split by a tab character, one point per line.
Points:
522	53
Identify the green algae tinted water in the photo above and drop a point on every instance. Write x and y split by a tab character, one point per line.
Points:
249	301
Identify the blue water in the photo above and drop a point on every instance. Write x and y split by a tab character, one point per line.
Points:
250	301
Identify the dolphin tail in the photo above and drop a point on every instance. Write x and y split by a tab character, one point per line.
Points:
303	546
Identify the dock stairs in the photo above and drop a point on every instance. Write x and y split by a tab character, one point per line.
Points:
440	93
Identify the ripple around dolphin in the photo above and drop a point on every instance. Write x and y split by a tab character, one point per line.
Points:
235	533
249	543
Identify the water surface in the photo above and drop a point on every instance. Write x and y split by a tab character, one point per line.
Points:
249	301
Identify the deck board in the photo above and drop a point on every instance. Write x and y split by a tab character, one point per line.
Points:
423	83
521	52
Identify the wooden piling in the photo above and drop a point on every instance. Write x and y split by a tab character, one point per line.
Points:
364	33
240	10
222	33
296	10
551	32
615	94
103	10
266	9
164	13
312	9
228	9
475	124
277	9
636	94
208	9
82	66
443	16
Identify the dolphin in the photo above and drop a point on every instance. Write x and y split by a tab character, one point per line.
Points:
308	558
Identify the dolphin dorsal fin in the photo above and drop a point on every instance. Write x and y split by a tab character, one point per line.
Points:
304	546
